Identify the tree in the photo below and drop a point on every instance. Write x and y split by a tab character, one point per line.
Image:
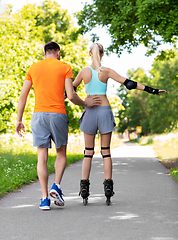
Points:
22	38
156	114
164	109
131	22
18	51
135	105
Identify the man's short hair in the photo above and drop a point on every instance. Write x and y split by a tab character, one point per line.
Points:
51	47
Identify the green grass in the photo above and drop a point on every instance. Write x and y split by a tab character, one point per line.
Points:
18	163
143	140
16	170
18	159
174	173
20	169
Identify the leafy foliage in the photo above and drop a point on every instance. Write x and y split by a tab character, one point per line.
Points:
156	114
131	22
22	38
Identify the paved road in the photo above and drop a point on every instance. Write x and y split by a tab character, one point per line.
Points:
145	205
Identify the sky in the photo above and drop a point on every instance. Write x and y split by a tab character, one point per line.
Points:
136	59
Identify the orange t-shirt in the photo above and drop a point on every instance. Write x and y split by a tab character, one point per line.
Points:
48	78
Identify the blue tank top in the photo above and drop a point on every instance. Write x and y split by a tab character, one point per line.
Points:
95	86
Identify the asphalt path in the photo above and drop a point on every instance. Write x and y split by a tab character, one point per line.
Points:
144	207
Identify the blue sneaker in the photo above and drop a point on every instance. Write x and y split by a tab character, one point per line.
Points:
56	193
45	204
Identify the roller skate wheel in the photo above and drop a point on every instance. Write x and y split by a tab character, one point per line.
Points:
108	201
85	201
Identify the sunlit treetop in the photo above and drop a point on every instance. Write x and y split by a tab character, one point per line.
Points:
131	22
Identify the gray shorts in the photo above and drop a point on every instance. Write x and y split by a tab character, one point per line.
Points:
47	127
97	118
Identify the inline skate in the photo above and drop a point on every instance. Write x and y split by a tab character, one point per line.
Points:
108	189
84	190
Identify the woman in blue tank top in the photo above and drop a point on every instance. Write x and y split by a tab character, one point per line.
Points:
100	118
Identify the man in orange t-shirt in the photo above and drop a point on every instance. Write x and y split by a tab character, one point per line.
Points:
49	78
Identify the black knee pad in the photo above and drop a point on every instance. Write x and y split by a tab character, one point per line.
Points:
105	148
88	156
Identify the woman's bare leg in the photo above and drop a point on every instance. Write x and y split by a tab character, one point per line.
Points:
86	166
107	161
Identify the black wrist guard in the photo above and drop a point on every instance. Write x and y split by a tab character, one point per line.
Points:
65	93
151	90
130	84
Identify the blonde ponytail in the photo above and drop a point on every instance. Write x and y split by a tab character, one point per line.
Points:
96	50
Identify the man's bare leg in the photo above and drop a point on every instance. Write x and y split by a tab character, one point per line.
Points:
42	170
60	163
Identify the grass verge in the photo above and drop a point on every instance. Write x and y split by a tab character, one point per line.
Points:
174	173
18	159
20	169
166	150
18	163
